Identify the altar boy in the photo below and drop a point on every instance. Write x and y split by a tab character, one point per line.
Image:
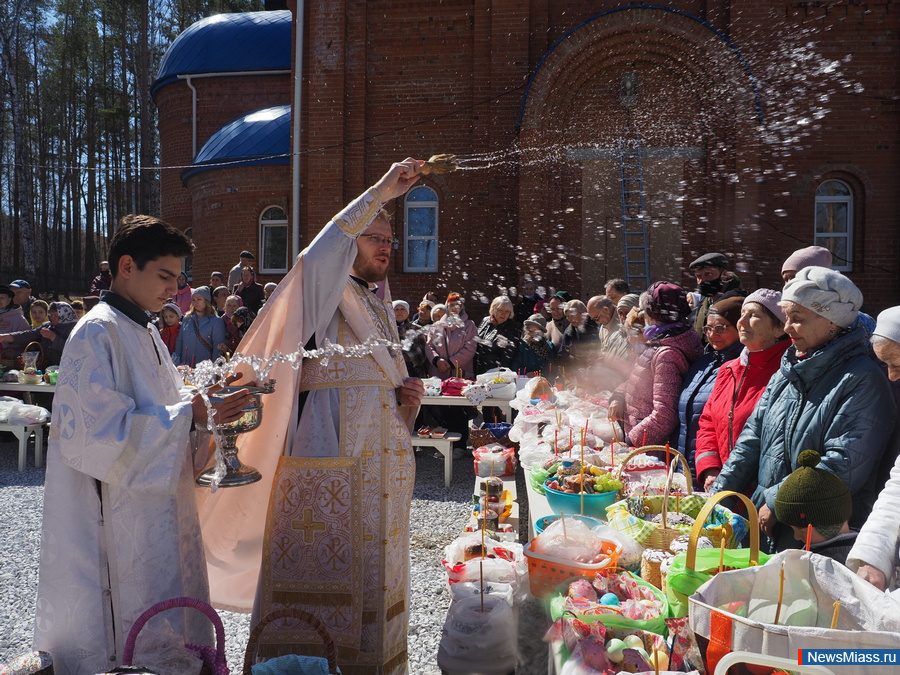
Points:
121	531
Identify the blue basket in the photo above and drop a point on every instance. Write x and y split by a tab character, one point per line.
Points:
570	502
542	524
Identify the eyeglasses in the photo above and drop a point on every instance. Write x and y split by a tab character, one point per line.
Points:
718	330
378	240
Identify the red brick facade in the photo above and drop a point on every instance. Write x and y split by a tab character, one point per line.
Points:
388	79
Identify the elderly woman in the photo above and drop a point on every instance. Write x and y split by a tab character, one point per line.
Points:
722	345
827	395
52	335
451	342
876	554
626	304
648	400
498	337
740	383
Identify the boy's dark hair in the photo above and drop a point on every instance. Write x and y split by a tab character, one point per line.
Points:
146	238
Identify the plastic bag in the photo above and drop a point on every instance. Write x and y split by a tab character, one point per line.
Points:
503	562
630	556
6	404
28	414
576	541
470	634
495	460
160	649
465	589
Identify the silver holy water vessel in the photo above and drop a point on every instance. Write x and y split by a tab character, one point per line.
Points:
237	473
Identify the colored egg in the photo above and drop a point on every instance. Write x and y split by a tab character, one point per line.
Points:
634	642
644	654
609	599
659	659
614	649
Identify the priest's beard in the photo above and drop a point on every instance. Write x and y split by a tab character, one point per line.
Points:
368	270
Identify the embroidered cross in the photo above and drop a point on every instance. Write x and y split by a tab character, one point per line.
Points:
395	531
308	525
338	370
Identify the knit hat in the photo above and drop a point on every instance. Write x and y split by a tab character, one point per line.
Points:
888	324
439	306
565	296
536	320
768	299
811	256
666	302
629	301
174	307
576	306
6	290
827	293
401	303
811	496
729	309
203	292
427	303
710	260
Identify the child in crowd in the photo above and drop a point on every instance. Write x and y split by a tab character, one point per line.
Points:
40	313
78	306
242	319
817	497
170	325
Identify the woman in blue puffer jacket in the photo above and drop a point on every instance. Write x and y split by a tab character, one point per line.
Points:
828	396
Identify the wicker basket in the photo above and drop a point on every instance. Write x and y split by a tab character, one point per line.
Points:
664	535
546	572
214	660
480	437
301	615
41	362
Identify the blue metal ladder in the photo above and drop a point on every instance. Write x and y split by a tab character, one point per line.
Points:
634	217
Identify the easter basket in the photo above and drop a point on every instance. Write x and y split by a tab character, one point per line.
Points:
214	661
33	357
293	661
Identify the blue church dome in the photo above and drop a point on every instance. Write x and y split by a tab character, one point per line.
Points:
229	43
259	137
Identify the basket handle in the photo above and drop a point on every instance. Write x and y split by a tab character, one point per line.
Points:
634	452
300	614
36	344
685	468
707	509
128	652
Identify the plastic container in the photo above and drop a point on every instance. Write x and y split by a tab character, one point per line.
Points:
546	572
570	502
542	524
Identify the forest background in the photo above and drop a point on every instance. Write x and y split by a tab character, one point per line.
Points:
78	133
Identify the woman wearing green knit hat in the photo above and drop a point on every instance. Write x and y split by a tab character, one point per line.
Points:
817	497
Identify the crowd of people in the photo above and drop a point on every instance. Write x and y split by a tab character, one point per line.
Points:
741	383
196	324
787	395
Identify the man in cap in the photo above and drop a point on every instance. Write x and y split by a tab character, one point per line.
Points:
234	276
22	295
713	282
811	256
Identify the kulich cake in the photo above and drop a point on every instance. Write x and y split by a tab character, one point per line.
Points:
680	545
673	519
651	562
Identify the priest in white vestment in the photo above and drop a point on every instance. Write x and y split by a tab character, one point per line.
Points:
334	449
120	530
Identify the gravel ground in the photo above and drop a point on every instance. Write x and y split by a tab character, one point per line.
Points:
437	517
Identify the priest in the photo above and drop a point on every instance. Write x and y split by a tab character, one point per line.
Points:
327	530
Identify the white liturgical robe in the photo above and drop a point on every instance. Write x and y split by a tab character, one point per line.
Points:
120	530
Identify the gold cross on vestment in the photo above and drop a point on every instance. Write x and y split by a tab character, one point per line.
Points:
308	525
338	370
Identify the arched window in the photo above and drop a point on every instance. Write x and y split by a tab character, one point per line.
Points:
420	234
187	263
273	241
834	222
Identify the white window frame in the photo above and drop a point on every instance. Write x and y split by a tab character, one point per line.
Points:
407	238
271	224
187	263
821	239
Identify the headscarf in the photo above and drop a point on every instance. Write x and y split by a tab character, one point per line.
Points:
64	311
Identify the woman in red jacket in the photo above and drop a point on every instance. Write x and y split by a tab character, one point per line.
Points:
741	382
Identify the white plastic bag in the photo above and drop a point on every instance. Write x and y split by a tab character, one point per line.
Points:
576	541
6	404
28	414
160	649
466	589
495	460
471	635
504	562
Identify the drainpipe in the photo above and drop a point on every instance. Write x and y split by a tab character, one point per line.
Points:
188	78
295	149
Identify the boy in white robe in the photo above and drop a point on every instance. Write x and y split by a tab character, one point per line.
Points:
120	530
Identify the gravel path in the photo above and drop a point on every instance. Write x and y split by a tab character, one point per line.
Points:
437	517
